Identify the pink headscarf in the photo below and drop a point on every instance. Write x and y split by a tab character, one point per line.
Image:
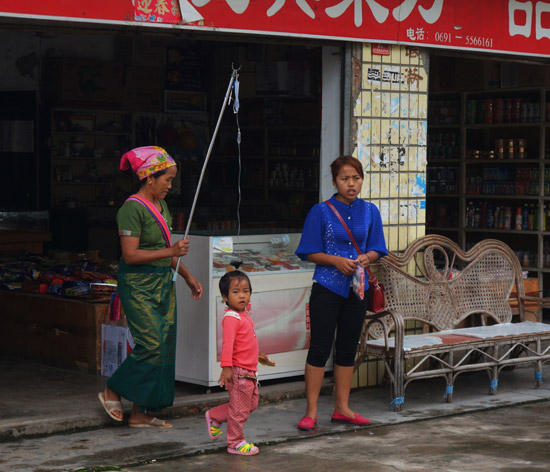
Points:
146	160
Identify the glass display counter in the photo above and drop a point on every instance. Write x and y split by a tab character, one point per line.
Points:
281	285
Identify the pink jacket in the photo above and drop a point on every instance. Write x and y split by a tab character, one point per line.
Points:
240	345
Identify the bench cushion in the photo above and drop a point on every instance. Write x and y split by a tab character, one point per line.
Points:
452	336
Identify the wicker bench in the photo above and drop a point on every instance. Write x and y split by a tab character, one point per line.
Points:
463	299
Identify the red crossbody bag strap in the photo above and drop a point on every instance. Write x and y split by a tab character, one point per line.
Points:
333	208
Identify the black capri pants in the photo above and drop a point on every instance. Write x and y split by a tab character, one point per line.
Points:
330	313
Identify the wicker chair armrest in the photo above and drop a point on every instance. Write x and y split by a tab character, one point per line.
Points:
398	327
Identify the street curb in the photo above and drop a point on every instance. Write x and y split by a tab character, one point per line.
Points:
184	406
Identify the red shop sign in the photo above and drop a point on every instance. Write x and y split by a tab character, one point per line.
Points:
503	26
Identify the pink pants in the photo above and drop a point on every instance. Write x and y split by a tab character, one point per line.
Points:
243	400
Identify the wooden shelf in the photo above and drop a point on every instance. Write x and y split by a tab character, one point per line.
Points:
469	136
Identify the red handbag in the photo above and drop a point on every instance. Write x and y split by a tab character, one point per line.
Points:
377	302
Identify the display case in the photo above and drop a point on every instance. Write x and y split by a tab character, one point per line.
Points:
281	285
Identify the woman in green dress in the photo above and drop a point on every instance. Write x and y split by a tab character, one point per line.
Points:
147	292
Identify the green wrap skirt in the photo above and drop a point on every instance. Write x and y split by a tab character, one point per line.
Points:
148	298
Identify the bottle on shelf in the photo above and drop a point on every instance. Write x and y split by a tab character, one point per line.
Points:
525	217
477	216
470	215
519	218
491	216
507	218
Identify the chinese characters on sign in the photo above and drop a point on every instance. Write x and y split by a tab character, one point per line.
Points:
157	11
505	26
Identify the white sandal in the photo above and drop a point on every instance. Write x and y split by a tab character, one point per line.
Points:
110	406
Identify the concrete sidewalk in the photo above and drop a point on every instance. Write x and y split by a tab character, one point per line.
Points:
40	400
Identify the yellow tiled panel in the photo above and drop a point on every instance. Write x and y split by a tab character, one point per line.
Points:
357	109
412	132
393	240
366	52
423	84
393	212
395	105
421	230
379	157
374	84
386	232
405	56
404	178
366	104
384	131
393	178
415	54
412	158
363	154
384	185
385	105
384	207
376	104
423	106
376	137
421	218
422	158
404	106
387	59
386	84
364	132
413	105
396	53
403	241
375	185
413	233
422	127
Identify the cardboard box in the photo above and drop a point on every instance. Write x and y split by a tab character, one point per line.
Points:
116	344
53	330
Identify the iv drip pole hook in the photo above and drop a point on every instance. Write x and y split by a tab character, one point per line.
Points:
225	101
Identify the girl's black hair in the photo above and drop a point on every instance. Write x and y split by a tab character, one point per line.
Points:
225	281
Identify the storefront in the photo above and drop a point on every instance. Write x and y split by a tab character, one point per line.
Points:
314	83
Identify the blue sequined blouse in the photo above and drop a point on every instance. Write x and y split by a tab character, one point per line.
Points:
323	232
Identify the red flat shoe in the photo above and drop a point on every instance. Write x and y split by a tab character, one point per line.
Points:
307	423
340	418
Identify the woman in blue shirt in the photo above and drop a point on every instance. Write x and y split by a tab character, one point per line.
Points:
334	308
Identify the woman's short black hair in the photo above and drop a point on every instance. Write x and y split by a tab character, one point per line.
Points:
156	175
225	281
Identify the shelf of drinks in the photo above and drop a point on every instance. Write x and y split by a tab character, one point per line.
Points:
501	161
483	196
531	124
442	228
443	126
502	231
442	195
440	162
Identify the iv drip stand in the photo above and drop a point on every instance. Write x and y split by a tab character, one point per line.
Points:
226	99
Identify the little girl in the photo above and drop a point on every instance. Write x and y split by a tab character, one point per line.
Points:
239	364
